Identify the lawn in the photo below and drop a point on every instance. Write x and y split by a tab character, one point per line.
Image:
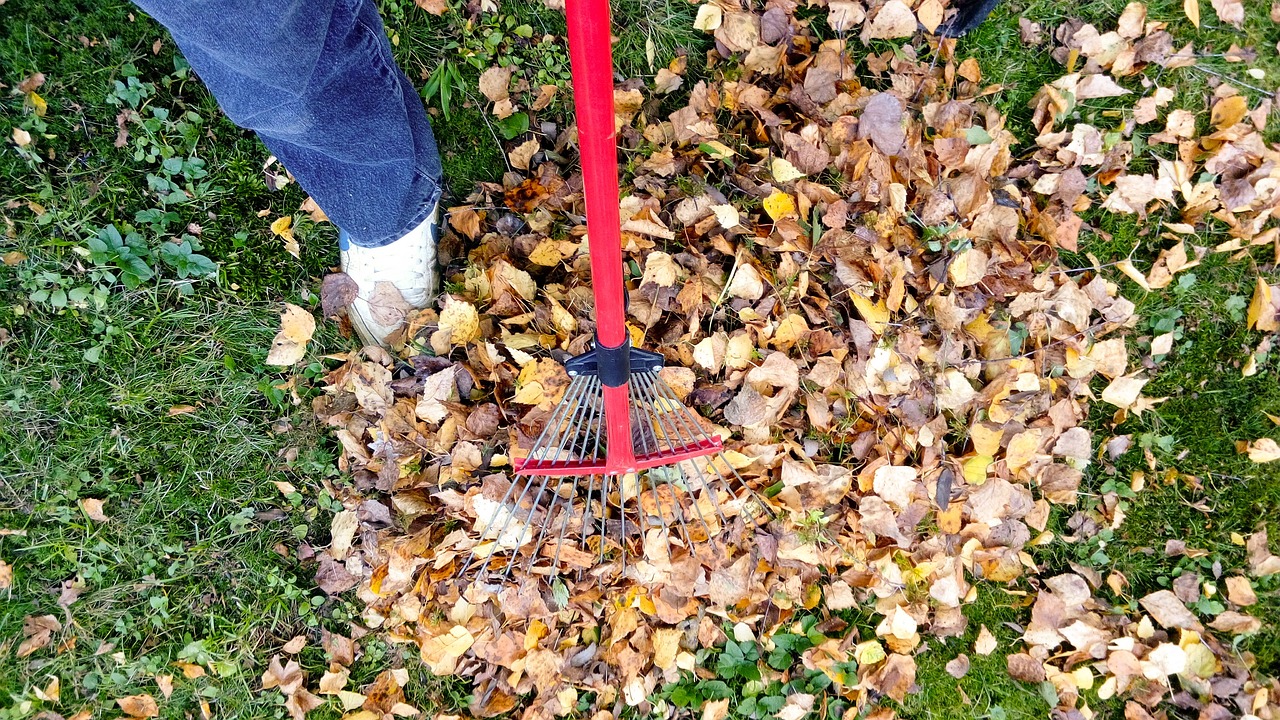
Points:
143	385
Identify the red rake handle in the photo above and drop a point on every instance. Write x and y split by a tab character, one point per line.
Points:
592	61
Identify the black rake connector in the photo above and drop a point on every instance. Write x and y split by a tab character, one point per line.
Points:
614	365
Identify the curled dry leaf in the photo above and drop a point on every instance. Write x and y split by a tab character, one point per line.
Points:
290	344
93	507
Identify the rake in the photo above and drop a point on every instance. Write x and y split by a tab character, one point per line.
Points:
620	456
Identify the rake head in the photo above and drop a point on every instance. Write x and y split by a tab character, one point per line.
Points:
593	486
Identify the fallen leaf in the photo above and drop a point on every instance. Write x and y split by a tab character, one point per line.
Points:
337	291
779	205
93	508
282	228
290	344
1263	450
139	706
435	7
37	633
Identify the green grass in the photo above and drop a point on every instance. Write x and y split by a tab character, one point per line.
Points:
188	566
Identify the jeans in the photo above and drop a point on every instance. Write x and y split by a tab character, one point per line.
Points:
315	79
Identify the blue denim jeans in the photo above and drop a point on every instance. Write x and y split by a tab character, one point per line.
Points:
315	79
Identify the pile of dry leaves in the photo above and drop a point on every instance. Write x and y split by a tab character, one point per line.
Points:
851	267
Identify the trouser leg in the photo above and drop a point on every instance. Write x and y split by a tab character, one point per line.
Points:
316	80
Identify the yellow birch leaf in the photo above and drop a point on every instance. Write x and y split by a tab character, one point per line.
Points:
975	469
874	314
1192	9
1127	268
779	205
1260	306
283	228
461	319
784	171
38	104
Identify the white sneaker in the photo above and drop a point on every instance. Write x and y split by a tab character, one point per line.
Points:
392	280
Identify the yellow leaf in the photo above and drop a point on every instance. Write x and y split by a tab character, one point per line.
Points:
718	150
1123	391
784	171
283	227
791	329
1127	268
290	344
1192	9
37	104
868	653
779	205
1261	314
874	314
549	252
460	318
709	18
441	652
1228	111
968	268
975	469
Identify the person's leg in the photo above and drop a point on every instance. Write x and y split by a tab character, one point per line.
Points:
316	80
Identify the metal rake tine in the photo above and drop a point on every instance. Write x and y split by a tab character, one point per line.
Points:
591	415
567	512
591	425
622	512
676	508
546	522
587	521
604	512
638	402
660	388
706	489
575	390
546	479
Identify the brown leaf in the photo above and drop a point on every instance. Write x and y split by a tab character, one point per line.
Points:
332	577
290	344
1240	591
1166	609
882	121
139	706
959	667
93	508
31	83
894	20
466	220
494	83
1230	12
37	633
337	291
1024	668
435	7
1236	623
295	644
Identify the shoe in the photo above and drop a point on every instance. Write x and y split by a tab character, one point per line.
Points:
392	281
